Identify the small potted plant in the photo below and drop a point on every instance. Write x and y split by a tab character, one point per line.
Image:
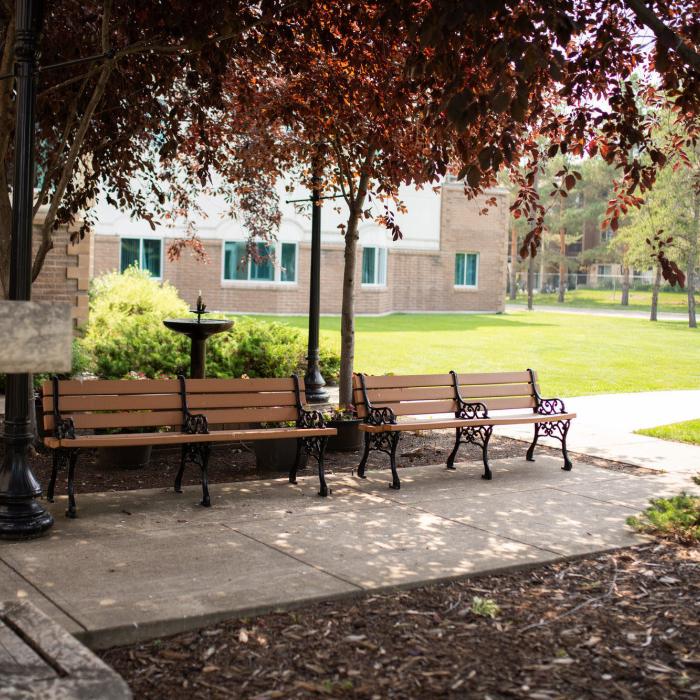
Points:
344	419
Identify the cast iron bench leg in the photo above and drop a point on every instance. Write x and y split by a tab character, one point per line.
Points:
57	459
455	449
365	455
485	437
530	450
72	459
181	470
567	462
205	450
297	461
394	441
323	488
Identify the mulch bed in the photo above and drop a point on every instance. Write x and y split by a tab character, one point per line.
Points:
236	462
621	625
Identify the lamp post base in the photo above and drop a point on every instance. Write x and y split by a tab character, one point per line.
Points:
24	520
21	516
314	383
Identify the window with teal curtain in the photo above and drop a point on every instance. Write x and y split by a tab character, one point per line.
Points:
146	253
151	257
368	265
130	253
263	270
466	269
472	267
235	261
289	262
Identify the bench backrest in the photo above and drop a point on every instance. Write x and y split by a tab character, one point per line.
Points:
156	403
421	394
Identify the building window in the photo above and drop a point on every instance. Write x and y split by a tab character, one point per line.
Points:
146	253
374	266
239	266
467	269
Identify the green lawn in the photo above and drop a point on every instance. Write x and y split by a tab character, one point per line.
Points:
608	299
573	354
687	431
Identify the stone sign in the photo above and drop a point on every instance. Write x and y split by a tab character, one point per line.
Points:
35	336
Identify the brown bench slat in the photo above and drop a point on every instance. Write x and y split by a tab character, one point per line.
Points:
421	408
244	386
114	402
421	380
178	438
438	424
381	396
390	381
136	419
72	387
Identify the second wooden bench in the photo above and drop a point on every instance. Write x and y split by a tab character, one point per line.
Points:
476	403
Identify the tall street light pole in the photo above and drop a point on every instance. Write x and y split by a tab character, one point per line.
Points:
21	516
314	381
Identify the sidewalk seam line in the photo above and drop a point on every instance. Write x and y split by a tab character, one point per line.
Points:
42	594
297	559
597	500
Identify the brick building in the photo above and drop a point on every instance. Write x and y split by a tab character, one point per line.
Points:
450	259
65	275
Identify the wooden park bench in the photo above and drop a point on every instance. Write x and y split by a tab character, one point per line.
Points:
158	412
476	402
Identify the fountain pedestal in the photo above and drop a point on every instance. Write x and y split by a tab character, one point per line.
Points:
198	331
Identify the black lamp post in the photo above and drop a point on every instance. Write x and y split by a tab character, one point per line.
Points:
21	516
314	381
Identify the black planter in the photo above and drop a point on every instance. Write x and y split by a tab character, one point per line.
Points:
274	456
132	457
349	437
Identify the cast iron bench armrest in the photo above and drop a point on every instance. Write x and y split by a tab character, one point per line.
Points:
549	407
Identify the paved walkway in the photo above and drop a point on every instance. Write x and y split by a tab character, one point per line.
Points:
606	423
145	564
621	313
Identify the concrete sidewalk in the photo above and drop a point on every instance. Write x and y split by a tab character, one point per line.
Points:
588	311
145	564
606	423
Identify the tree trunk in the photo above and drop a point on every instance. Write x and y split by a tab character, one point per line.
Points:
530	281
513	263
625	298
347	316
693	261
563	269
655	294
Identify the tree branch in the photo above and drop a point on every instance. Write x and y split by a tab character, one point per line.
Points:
72	156
666	36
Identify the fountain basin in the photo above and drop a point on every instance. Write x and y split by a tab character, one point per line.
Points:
198	329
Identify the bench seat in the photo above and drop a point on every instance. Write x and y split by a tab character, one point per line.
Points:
136	439
441	424
392	404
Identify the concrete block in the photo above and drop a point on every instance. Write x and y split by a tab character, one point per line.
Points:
37	337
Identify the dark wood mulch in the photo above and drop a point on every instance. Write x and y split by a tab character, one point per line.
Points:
622	625
236	462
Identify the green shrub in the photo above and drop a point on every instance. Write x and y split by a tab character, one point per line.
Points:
125	334
139	344
115	296
677	518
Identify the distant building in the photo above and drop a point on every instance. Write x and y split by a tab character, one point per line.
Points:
451	258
